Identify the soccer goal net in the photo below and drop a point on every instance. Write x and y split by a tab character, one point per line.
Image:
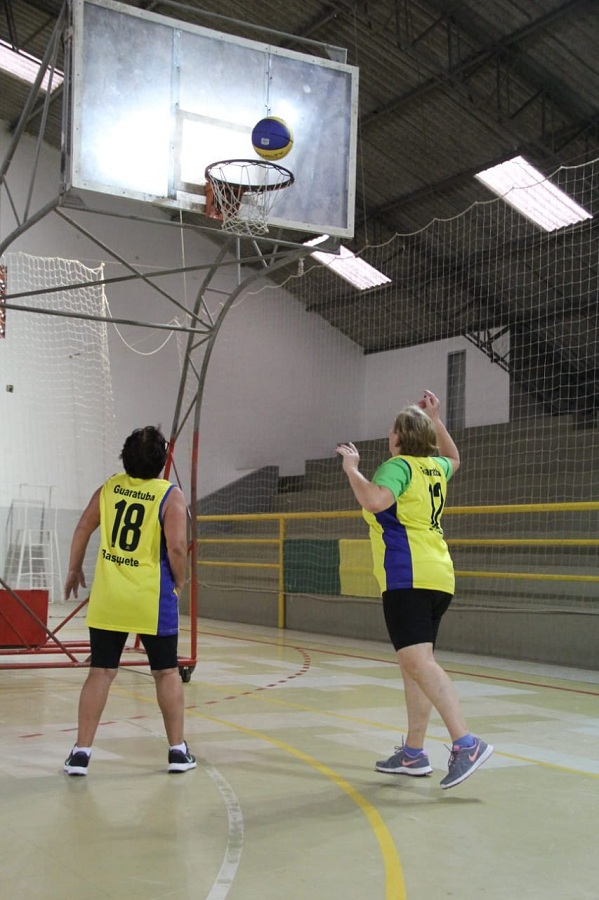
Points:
56	409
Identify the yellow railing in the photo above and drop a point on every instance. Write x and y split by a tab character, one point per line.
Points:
283	517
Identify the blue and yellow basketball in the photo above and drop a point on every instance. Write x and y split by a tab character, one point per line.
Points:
272	138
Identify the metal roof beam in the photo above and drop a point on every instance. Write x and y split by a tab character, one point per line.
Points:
467	67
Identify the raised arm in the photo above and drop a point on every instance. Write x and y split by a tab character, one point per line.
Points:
372	497
445	444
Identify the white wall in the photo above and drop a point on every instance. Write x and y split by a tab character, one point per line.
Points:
283	386
144	386
398	377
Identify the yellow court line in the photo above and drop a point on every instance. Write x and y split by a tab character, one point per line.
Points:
262	695
395	888
279	643
394	881
269	698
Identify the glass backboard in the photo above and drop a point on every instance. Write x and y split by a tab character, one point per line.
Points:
156	100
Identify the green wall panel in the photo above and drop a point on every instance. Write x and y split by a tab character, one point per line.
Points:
311	567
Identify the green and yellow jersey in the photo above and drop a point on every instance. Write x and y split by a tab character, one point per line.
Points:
408	547
133	588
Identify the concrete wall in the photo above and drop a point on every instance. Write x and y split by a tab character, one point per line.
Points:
559	638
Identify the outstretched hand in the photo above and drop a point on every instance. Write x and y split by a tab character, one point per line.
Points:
430	404
349	454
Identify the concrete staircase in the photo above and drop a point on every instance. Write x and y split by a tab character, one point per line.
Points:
541	460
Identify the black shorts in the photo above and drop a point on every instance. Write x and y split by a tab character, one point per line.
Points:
107	647
413	615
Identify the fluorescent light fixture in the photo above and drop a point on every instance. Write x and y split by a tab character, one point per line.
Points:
537	198
348	266
25	67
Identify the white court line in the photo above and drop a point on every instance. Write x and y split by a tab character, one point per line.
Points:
228	870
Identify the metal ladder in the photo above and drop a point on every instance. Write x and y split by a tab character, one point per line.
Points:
32	553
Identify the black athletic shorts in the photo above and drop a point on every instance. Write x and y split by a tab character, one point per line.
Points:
107	647
413	615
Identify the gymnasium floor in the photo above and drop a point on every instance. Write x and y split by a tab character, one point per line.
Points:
285	802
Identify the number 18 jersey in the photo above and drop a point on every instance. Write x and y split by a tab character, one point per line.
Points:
408	547
133	588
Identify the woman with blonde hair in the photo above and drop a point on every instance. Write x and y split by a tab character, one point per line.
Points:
403	505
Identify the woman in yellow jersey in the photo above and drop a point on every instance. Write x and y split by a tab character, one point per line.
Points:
140	571
403	505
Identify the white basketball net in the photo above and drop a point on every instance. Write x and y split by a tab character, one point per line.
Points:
245	192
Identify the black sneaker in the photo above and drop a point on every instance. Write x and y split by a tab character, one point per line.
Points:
77	763
181	760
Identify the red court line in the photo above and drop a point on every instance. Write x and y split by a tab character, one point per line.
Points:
301	671
274	684
498	678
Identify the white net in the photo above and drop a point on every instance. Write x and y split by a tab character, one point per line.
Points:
501	320
242	193
56	409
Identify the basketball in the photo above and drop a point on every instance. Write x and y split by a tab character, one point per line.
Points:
272	138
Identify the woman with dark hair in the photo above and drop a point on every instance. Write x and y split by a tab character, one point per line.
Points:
403	505
140	572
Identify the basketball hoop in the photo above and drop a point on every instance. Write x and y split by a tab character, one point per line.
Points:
242	192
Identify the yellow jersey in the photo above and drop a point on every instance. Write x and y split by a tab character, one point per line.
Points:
408	547
133	588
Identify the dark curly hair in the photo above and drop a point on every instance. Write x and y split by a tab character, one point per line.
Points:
144	452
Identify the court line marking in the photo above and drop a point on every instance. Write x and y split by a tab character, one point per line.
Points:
269	698
394	881
273	684
360	721
395	888
280	642
232	855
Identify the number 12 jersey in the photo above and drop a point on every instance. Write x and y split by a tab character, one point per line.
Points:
408	547
133	588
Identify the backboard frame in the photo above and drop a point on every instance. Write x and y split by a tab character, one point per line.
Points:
324	165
